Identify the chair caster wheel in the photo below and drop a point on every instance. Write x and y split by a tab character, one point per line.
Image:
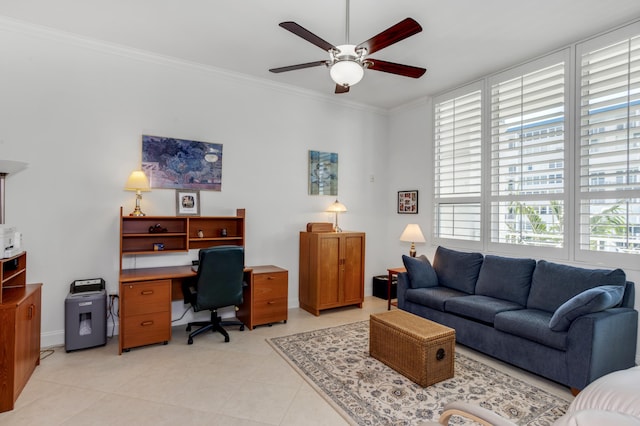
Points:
190	341
270	324
242	327
166	342
188	328
226	339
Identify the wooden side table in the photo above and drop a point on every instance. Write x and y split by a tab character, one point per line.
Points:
392	272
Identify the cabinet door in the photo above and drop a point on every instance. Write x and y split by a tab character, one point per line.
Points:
27	339
353	268
329	269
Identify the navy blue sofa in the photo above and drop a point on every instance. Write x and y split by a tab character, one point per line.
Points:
568	324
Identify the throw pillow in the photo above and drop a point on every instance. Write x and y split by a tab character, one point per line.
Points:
420	272
456	269
505	278
593	300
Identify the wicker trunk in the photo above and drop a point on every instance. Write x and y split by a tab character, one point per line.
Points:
417	348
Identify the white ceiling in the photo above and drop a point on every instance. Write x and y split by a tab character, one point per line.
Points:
461	39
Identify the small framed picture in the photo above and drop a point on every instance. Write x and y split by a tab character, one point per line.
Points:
187	202
408	202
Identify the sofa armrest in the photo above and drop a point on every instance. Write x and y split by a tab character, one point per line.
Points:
403	286
591	339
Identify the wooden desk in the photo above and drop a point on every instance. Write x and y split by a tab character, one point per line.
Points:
146	295
392	272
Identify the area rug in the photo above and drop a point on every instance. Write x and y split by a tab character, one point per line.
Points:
336	362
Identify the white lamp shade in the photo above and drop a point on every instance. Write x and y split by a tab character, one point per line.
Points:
346	73
412	234
137	182
337	207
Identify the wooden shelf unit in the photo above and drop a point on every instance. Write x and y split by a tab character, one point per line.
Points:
181	233
20	317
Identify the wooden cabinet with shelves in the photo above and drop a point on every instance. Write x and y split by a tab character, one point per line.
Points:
331	270
265	299
20	328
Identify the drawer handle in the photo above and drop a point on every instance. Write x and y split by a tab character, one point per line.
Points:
146	323
271	278
271	302
146	292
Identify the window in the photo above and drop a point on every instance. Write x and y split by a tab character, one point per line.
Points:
558	173
527	154
609	113
457	177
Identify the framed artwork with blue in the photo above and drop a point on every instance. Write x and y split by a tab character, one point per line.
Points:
172	163
323	173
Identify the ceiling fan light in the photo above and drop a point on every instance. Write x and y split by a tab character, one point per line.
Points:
346	73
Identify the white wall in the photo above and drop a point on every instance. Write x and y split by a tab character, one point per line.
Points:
75	110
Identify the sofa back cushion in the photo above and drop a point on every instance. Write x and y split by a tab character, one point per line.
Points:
553	284
456	269
420	272
506	278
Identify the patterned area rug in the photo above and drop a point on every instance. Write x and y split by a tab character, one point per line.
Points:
336	362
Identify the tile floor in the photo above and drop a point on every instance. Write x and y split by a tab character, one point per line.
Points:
243	382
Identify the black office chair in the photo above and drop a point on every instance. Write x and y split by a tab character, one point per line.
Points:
218	284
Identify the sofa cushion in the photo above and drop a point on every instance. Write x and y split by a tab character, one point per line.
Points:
553	284
456	269
432	297
420	272
592	300
506	278
480	308
532	324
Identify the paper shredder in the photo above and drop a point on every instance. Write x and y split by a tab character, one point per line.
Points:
85	312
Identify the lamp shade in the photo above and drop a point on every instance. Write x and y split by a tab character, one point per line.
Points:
337	207
137	182
412	234
346	73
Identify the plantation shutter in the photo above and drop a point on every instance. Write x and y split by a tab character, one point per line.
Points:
527	157
610	146
457	166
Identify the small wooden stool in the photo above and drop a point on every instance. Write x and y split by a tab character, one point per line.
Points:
415	347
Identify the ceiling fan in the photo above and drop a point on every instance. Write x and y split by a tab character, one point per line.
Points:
347	62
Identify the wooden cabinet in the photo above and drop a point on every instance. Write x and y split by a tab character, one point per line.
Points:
331	270
265	299
145	313
19	330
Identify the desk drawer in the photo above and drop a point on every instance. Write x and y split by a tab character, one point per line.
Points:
270	286
268	311
146	329
146	297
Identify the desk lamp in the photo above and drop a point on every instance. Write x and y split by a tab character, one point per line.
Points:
336	208
137	182
412	234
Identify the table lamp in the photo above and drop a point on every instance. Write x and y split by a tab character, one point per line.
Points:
137	182
336	208
412	234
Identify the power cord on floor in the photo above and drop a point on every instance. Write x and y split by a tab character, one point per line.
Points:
44	354
183	314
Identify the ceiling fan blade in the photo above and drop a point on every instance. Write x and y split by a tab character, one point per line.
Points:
400	31
393	68
341	89
307	35
298	67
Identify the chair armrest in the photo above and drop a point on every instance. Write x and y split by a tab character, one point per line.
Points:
472	412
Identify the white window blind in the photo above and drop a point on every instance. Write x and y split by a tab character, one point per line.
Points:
609	179
457	168
528	157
